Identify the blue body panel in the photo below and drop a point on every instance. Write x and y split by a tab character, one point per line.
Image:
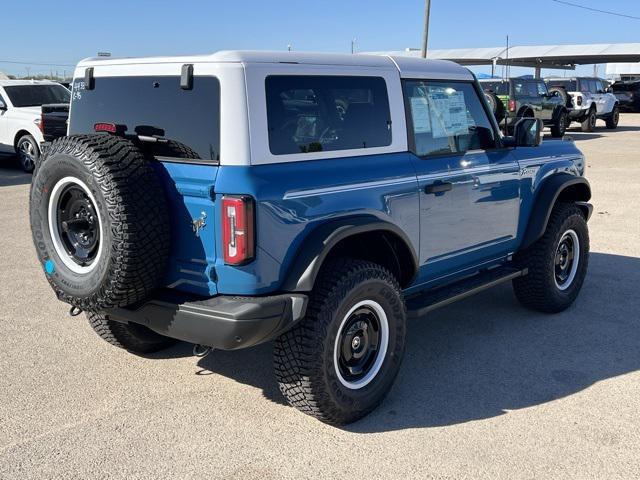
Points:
479	223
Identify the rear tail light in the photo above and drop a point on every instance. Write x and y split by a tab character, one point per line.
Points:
579	100
238	234
40	123
512	105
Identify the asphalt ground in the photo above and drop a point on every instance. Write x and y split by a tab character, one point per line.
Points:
487	389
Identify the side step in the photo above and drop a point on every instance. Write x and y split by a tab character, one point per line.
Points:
419	305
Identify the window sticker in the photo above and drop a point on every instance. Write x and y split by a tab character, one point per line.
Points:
449	114
420	114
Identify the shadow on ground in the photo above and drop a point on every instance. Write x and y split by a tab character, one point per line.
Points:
11	173
487	355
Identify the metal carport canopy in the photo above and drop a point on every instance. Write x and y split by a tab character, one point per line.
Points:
541	56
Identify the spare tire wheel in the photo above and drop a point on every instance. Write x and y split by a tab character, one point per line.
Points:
497	107
99	221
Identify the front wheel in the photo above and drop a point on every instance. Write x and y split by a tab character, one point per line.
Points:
28	152
557	262
340	361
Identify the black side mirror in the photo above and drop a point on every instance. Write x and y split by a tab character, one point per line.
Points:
526	133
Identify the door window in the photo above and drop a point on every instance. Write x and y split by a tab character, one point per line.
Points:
323	113
446	118
542	89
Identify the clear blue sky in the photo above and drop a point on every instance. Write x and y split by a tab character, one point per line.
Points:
63	31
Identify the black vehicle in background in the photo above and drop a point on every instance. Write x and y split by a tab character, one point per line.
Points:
628	95
517	98
53	121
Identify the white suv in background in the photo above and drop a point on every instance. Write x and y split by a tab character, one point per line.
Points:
588	101
20	115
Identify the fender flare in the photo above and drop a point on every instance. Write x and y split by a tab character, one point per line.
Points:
317	245
546	199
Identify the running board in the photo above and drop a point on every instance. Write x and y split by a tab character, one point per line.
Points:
421	304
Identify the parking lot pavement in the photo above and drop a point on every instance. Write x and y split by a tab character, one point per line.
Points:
487	389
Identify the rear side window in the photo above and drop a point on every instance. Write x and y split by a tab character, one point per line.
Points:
447	118
325	113
569	85
186	123
499	88
37	95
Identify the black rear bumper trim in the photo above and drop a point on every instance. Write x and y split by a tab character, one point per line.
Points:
221	322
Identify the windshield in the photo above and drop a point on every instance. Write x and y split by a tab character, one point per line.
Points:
37	95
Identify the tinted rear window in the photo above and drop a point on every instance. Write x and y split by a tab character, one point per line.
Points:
37	95
625	87
186	122
323	113
499	87
569	85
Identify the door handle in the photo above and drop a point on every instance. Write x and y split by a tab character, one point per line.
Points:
438	187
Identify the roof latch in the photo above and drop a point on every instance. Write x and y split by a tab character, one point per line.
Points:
186	77
89	81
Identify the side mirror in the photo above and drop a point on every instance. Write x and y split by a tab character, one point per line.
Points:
526	133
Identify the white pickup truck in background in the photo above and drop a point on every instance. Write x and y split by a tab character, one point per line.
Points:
20	116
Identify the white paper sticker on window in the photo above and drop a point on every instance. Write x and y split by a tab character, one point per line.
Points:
449	114
420	115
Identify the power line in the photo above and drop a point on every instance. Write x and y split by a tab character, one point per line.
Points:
596	10
37	63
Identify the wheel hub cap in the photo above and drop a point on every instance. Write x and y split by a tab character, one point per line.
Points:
566	259
361	344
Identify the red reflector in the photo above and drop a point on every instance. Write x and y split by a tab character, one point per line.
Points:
106	127
512	105
41	124
238	238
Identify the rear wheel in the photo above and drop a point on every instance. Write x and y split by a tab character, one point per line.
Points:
559	128
614	118
589	123
28	152
129	336
340	361
557	262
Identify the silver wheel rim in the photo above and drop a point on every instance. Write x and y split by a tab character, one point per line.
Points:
381	352
566	260
27	153
52	213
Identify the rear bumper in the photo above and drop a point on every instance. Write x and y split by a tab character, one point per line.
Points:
222	322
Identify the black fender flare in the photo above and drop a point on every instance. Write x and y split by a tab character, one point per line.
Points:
317	245
558	111
579	192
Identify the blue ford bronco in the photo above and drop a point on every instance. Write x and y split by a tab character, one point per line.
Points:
316	201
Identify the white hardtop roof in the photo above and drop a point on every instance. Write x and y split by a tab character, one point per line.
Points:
405	65
11	83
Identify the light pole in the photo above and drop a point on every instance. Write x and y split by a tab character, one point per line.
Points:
425	33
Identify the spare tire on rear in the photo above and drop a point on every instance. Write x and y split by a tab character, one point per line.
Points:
562	93
99	221
497	107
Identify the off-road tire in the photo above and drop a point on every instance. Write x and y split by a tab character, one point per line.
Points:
497	107
304	356
27	165
562	93
538	289
613	119
131	206
559	128
129	336
589	123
